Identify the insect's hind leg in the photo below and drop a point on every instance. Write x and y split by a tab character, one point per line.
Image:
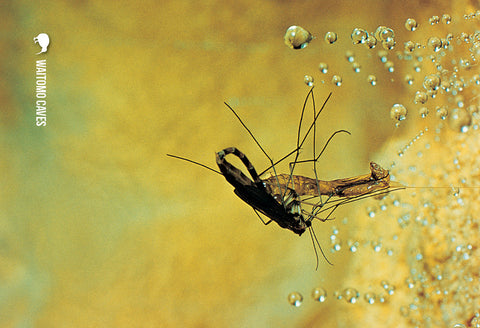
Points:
235	151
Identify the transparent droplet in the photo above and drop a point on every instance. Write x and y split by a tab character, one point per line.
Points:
359	35
319	294
323	67
350	56
330	37
409	79
370	298
383	33
442	112
296	37
337	80
356	67
446	19
411	24
434	20
398	112
431	82
390	66
420	97
409	46
371	41
351	295
434	43
460	120
389	43
372	79
308	80
459	325
295	299
423	111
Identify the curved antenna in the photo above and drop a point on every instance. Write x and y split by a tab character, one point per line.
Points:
197	163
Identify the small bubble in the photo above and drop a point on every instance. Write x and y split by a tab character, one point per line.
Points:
330	37
389	43
323	67
460	120
296	37
383	33
459	325
372	79
370	298
398	112
295	299
411	24
356	67
337	80
308	80
359	35
442	112
446	19
434	43
420	97
409	46
371	41
319	294
423	111
409	79
434	20
351	295
390	66
350	56
431	82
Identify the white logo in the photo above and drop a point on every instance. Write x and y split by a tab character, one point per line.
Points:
43	40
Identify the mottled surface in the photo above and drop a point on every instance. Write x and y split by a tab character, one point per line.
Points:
98	228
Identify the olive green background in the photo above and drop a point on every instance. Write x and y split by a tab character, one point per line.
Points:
98	228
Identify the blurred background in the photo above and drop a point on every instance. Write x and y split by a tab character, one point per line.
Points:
99	228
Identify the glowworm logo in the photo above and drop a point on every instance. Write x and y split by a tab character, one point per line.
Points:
41	81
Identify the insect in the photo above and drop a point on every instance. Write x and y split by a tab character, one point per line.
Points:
279	196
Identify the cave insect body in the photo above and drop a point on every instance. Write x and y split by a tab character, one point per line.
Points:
286	211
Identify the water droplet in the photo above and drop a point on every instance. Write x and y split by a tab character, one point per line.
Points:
411	24
442	112
371	41
319	294
351	295
423	111
409	46
330	37
356	67
420	97
398	112
431	82
459	325
460	120
383	33
409	79
390	66
370	298
372	79
295	299
323	67
350	56
359	35
389	43
434	43
296	37
308	80
337	80
434	20
446	19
